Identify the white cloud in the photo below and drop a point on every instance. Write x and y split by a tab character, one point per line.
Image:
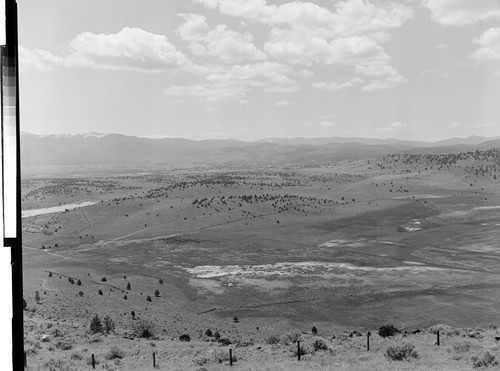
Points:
38	59
335	85
262	71
226	45
129	49
350	17
233	82
462	12
378	84
490	46
395	126
303	33
208	92
283	103
290	88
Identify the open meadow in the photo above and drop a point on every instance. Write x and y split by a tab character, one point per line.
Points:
258	252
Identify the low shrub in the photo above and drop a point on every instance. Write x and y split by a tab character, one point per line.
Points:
143	328
484	360
462	346
319	344
273	339
57	365
184	337
114	353
209	333
401	352
290	337
388	330
64	345
443	330
76	356
303	350
224	341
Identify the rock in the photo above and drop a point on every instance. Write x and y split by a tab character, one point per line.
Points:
45	338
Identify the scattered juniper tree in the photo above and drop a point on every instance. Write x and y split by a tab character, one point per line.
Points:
148	298
128	286
160	281
157	293
100	292
314	331
108	324
50	274
132	314
95	325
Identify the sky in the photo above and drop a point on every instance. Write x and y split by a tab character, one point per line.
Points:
253	69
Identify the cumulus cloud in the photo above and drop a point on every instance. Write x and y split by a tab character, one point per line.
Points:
234	81
490	46
38	59
129	49
303	33
222	43
462	12
349	17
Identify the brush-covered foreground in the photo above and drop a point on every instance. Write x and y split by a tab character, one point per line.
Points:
68	346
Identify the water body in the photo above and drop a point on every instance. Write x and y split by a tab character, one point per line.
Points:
55	209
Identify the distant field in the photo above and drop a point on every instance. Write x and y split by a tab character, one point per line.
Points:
343	245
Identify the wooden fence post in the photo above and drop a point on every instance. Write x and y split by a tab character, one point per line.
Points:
93	362
438	338
368	341
298	350
230	357
154	359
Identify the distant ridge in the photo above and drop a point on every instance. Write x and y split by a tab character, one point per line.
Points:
112	148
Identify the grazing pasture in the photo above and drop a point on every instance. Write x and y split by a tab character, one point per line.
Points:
405	239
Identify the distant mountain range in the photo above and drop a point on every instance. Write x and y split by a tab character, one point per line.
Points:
107	148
